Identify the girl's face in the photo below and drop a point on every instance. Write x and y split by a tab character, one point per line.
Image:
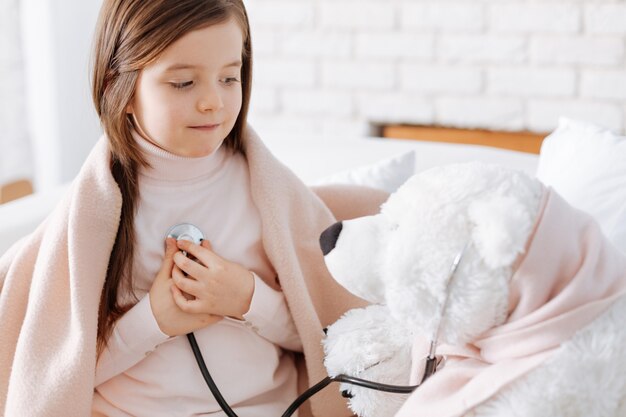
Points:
188	100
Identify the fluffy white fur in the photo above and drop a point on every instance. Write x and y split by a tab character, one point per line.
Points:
576	381
368	344
401	259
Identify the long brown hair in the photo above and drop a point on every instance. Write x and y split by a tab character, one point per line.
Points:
130	35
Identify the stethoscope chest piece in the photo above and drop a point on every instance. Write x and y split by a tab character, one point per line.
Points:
186	231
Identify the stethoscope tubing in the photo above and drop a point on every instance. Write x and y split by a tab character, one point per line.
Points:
190	232
207	376
397	389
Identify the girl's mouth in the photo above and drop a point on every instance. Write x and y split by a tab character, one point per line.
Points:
205	127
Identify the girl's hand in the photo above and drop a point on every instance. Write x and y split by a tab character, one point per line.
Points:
217	286
171	319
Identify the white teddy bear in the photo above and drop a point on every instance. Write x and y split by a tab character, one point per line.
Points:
401	261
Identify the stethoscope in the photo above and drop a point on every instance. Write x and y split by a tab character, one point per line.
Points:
187	231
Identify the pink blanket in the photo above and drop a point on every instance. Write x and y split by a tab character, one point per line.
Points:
569	276
51	281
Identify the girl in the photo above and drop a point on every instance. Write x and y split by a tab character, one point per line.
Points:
94	311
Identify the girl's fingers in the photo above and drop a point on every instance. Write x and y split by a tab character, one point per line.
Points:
179	298
186	284
206	244
189	266
202	252
188	306
168	258
170	246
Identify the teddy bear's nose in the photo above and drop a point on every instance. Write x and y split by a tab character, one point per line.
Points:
328	238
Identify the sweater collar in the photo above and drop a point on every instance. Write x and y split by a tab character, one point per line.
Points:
167	167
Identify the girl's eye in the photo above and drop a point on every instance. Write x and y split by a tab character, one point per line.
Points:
230	80
182	85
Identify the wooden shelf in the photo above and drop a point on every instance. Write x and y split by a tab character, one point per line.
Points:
14	190
517	141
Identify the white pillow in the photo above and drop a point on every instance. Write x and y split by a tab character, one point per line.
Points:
586	164
387	174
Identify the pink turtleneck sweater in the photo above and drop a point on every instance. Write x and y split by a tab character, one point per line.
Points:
143	372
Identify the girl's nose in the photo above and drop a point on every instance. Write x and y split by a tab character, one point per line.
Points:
210	101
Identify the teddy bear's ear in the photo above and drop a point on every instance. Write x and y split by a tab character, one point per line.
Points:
501	226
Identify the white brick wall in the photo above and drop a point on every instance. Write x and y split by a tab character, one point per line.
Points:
395	107
358	75
284	72
284	14
431	16
572	50
496	113
541	113
434	79
327	66
355	14
265	100
485	49
15	149
395	44
532	82
606	18
318	44
318	104
604	85
535	18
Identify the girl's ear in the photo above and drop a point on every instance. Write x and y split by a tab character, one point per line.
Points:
129	109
